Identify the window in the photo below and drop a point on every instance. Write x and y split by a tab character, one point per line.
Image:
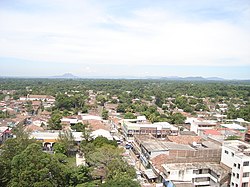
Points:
238	175
232	184
238	166
226	151
232	154
196	171
246	163
236	185
245	184
234	164
233	174
246	174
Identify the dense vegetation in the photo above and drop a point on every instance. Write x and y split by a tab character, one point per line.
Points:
72	94
138	88
24	163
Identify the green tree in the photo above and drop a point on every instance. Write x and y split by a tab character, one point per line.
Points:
65	113
159	101
129	115
4	114
64	102
101	158
79	127
59	147
35	168
86	133
177	118
101	141
201	107
5	172
181	102
66	139
62	158
29	107
243	112
55	121
102	99
87	148
118	169
193	101
188	108
10	149
121	107
105	114
80	175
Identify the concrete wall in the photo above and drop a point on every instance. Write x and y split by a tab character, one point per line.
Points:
189	156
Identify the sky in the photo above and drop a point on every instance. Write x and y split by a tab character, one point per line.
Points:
90	38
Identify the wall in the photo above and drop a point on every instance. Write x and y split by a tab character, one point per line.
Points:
189	156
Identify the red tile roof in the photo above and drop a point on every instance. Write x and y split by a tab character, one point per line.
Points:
97	124
159	160
211	132
31	128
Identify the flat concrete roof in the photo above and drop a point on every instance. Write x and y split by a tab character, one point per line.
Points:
158	125
155	146
150	174
216	167
209	144
241	148
54	135
233	126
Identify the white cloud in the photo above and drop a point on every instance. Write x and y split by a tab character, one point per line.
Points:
82	33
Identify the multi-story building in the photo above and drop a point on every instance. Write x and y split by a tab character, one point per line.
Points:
198	174
236	155
47	98
158	130
188	163
198	126
149	147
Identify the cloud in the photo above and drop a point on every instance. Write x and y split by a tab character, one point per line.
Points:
80	32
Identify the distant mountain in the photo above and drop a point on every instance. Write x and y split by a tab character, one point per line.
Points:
172	78
215	79
193	78
65	76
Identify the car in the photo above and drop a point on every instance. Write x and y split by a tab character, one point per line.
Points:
128	146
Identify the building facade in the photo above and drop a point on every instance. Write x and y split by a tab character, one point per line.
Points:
236	155
158	130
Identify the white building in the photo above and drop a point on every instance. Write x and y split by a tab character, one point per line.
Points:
70	120
103	133
87	117
159	129
199	174
234	126
47	98
50	137
236	155
198	126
